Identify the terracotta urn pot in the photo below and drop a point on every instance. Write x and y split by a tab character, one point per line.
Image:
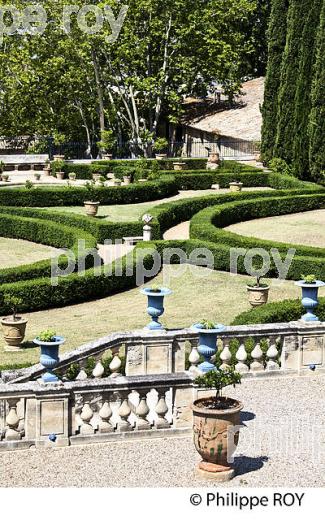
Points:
258	295
13	332
179	166
236	186
91	208
60	176
214	438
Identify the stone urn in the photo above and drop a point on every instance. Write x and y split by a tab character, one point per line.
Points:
155	307
60	176
207	344
258	296
214	158
127	179
236	186
13	332
216	436
161	156
96	177
49	357
37	176
5	177
91	208
179	166
107	156
47	170
58	157
117	182
310	298
72	176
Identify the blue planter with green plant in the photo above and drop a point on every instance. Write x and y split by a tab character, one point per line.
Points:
310	287
208	335
155	307
50	344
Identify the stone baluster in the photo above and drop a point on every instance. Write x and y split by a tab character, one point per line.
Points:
98	370
257	364
86	416
142	411
161	410
194	357
12	421
241	356
82	376
272	355
105	414
124	412
115	364
225	355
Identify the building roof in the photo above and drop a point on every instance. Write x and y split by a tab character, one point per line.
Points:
244	121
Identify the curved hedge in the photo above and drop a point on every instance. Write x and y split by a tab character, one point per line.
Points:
44	232
207	226
277	312
75	196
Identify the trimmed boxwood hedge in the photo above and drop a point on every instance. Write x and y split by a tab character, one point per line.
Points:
40	294
43	232
75	196
277	312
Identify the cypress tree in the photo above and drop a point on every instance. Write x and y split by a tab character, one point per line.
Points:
277	38
289	79
303	92
317	114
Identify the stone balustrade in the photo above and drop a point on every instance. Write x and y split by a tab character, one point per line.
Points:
98	399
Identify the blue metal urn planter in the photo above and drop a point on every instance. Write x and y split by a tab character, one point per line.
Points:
49	357
155	307
310	298
207	344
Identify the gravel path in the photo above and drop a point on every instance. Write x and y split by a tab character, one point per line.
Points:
282	444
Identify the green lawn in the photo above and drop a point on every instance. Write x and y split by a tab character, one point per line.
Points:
299	228
218	297
19	252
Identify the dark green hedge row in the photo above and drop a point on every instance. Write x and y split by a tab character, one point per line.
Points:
75	196
100	229
94	283
278	312
207	224
43	232
165	164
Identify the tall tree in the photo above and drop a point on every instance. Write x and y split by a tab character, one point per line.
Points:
289	77
276	43
303	92
317	114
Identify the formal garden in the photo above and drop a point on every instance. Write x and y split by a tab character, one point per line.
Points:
152	295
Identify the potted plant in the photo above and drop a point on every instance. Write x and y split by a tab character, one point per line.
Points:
155	308
208	333
2	167
215	425
310	286
160	146
91	205
258	293
59	140
106	144
57	169
5	177
49	342
37	176
72	176
14	327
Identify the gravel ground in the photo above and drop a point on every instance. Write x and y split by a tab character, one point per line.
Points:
281	444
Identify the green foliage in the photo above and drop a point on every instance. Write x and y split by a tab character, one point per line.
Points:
277	312
13	303
207	325
218	379
160	145
57	166
278	165
90	365
309	278
47	336
29	185
72	372
107	140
